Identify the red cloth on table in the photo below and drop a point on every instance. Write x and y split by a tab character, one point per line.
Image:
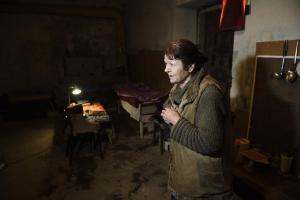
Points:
135	93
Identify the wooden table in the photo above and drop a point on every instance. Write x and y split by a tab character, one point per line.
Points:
87	122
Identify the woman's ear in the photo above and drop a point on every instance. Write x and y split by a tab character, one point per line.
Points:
191	68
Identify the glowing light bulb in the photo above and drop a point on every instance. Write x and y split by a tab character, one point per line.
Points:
76	91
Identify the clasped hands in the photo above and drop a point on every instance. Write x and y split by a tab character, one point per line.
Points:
170	115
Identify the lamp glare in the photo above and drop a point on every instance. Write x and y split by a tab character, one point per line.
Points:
76	91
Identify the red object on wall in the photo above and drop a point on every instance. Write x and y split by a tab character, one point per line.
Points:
232	16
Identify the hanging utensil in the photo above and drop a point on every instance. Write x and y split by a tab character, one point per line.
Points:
280	75
292	74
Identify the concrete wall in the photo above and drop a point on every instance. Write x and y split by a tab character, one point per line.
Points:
110	3
269	21
36	36
34	47
151	24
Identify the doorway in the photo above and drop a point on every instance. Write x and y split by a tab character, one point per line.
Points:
216	44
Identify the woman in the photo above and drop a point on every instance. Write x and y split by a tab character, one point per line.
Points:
197	110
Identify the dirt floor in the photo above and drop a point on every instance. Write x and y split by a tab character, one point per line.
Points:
37	168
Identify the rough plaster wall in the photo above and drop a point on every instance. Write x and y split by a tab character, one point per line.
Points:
76	2
153	23
33	47
269	20
149	24
185	24
25	53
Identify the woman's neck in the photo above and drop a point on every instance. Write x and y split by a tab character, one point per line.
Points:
185	81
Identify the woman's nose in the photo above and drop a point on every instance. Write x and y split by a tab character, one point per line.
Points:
167	69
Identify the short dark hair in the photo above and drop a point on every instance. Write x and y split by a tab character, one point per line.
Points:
187	52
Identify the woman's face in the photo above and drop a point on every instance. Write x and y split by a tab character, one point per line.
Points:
176	72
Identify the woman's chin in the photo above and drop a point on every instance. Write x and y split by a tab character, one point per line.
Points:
172	81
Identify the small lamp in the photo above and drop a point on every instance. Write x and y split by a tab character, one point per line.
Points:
75	91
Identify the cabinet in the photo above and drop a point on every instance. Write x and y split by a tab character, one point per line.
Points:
275	107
